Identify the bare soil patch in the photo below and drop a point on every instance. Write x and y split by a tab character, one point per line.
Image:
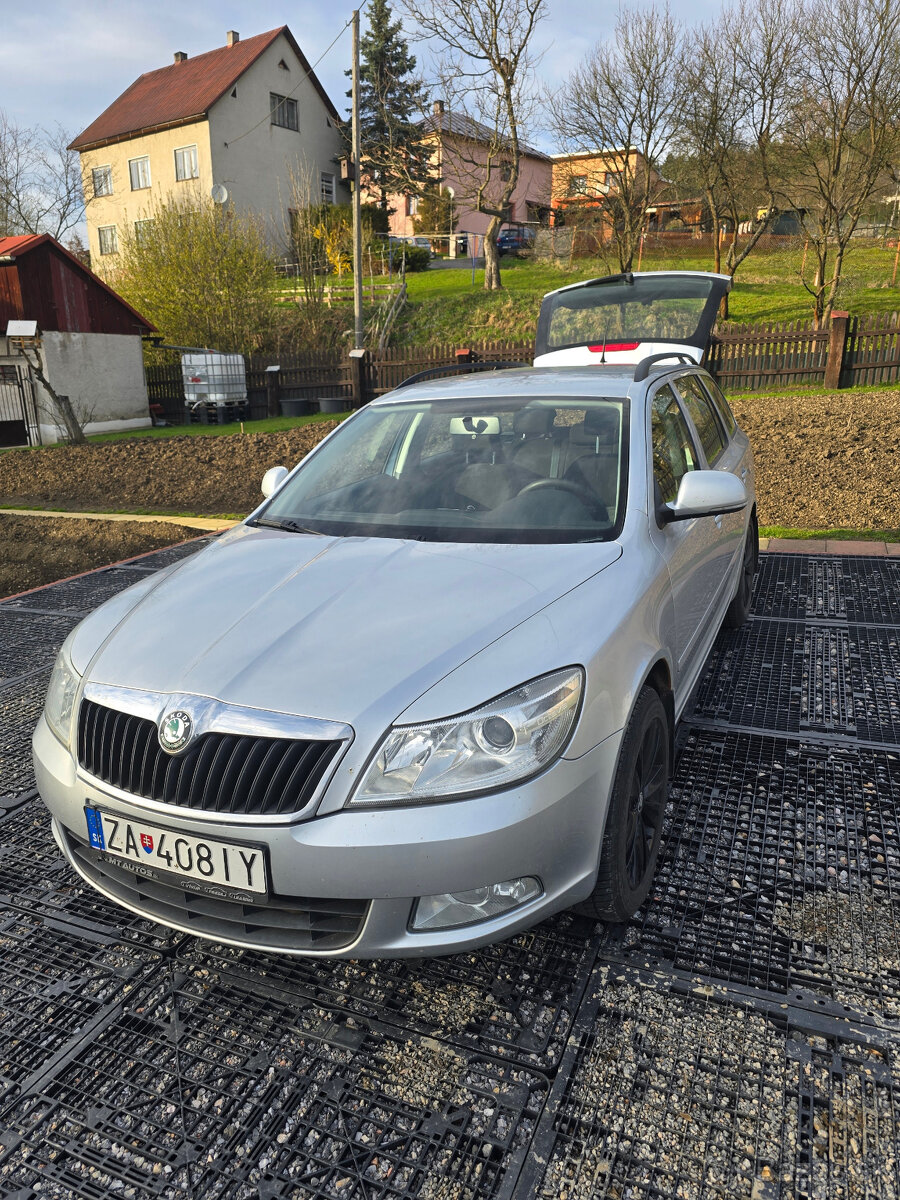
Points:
39	550
828	461
199	475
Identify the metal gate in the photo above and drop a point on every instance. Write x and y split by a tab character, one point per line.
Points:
18	416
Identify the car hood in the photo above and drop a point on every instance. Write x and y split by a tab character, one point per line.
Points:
336	628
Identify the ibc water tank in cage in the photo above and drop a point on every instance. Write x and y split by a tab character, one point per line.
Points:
215	386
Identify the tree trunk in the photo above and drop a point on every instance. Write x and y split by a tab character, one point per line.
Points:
74	432
492	257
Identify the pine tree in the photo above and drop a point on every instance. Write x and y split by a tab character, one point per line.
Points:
437	211
394	158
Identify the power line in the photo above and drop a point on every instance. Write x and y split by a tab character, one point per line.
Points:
302	79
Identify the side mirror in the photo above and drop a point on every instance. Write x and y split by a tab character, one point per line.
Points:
273	479
705	494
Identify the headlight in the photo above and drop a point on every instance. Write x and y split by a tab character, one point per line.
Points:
505	741
59	705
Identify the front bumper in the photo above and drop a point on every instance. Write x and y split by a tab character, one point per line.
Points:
550	828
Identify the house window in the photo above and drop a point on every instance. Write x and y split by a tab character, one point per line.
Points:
109	243
577	185
505	172
284	111
412	205
186	163
142	231
139	171
327	188
101	179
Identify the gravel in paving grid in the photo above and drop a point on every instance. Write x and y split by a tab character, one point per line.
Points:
779	869
798	678
28	641
514	999
861	590
55	985
20	708
693	1096
205	1088
35	877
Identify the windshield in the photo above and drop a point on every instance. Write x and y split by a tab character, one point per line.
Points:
473	470
622	311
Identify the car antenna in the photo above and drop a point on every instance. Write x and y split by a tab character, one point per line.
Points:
605	335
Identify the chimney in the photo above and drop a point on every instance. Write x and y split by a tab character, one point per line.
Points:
180	56
438	108
232	38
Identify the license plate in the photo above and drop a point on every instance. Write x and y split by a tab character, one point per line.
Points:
224	865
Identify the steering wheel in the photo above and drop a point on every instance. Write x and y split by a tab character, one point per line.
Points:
580	490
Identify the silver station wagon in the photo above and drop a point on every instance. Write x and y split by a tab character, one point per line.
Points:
426	694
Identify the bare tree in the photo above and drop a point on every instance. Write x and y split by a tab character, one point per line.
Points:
622	106
739	86
487	74
40	181
845	129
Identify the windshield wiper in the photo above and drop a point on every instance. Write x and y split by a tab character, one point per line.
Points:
287	525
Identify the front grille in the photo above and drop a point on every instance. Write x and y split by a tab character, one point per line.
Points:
281	923
219	772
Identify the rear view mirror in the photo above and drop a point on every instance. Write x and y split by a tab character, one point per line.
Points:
273	479
705	494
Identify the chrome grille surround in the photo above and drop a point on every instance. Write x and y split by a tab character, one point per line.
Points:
242	764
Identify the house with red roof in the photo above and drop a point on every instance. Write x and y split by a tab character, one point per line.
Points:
89	345
240	123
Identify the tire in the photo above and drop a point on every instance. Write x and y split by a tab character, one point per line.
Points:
739	609
634	821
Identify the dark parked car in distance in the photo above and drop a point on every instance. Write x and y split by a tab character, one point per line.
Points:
514	240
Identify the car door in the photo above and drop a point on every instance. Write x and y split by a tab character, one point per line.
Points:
721	454
689	548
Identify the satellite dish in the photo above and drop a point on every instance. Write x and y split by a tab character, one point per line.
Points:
219	193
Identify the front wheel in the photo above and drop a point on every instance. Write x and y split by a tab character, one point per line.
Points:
739	609
636	808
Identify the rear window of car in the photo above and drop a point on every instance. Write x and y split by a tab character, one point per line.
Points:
703	414
722	406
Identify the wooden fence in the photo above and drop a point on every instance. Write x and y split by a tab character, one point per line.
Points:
848	353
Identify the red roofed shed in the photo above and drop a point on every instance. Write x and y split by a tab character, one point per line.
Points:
41	281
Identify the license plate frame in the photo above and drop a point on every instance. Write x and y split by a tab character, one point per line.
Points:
124	844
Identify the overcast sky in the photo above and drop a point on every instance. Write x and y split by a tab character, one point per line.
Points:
66	60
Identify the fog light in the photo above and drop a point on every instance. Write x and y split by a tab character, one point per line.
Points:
453	909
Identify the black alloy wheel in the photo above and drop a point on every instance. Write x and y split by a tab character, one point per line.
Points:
636	809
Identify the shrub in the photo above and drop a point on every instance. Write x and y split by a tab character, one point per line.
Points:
417	257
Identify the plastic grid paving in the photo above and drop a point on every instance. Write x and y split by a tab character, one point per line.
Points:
79	595
205	1087
20	708
753	1052
780	869
29	642
56	985
862	590
664	1093
34	877
514	999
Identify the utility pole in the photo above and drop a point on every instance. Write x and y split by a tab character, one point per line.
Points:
358	331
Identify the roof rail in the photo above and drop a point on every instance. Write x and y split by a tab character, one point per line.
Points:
642	370
459	369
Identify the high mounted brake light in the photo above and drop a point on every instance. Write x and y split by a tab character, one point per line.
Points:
606	346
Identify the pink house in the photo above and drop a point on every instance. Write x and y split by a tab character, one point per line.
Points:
462	148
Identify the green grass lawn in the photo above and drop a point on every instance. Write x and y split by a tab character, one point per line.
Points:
445	306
